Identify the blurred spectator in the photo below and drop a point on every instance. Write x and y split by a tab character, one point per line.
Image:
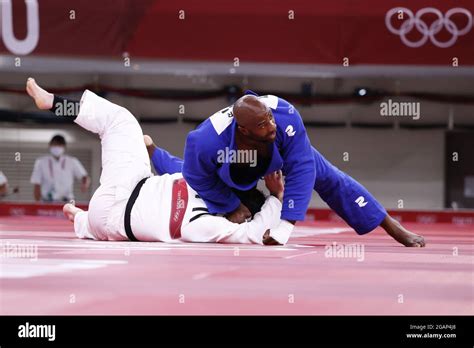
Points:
4	186
53	175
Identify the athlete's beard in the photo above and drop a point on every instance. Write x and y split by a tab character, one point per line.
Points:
261	140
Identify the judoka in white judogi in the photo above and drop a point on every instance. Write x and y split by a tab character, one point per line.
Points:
166	209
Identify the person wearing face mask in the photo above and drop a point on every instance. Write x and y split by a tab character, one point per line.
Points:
53	175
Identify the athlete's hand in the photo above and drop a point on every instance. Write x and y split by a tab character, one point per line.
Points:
267	240
274	184
85	184
239	215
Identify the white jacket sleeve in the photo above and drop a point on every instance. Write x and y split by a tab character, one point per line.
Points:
282	232
78	169
217	229
36	177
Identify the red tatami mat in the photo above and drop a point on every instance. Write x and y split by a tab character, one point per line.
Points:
325	269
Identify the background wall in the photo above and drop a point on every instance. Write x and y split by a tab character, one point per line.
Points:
337	77
394	164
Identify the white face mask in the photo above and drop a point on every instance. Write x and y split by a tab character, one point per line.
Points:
56	151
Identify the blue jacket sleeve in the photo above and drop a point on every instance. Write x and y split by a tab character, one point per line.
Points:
200	172
299	170
166	163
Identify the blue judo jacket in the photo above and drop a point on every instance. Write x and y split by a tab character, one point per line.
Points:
303	166
292	153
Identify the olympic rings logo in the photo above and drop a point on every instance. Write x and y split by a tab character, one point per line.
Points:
414	20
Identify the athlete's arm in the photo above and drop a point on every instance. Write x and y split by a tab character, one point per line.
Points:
163	161
200	172
299	170
218	229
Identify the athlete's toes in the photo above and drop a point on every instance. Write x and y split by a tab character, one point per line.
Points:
148	140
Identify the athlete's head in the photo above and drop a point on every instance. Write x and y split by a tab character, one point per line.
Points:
254	119
252	199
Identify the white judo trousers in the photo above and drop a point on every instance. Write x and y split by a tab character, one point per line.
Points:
125	162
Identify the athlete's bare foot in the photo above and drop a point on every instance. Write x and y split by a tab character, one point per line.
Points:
150	145
70	211
148	140
43	99
401	234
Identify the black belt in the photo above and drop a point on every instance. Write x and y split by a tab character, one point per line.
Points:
128	209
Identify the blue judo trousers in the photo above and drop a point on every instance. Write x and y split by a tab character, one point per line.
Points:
302	165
